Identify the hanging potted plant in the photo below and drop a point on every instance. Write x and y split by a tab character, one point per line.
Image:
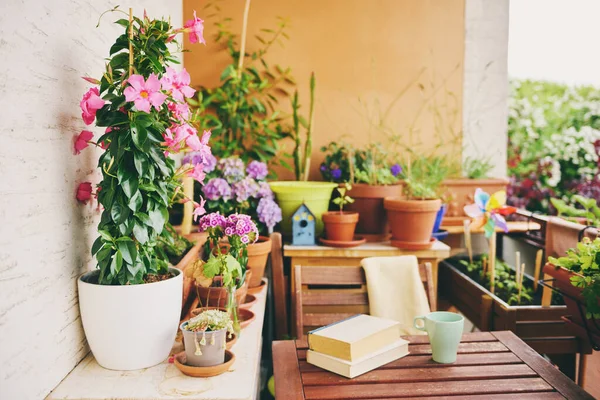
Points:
140	101
340	225
412	219
205	338
577	277
372	178
234	187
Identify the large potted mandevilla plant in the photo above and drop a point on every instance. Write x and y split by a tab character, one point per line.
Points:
141	102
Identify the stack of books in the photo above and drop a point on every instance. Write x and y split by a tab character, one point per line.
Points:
356	345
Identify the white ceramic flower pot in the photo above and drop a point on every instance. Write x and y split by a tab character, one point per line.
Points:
132	326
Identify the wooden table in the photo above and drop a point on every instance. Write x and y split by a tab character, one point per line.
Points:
333	257
89	381
490	365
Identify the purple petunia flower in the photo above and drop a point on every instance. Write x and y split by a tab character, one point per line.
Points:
245	189
323	167
257	170
336	173
217	188
396	169
268	212
232	168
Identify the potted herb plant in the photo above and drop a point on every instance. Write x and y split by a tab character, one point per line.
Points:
222	278
292	194
577	277
412	218
372	178
140	101
205	338
234	187
340	225
583	210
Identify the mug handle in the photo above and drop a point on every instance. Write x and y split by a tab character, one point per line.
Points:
421	318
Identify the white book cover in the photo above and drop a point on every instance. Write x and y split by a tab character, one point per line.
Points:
351	369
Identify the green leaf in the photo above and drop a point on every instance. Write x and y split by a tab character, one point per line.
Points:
127	248
105	235
140	232
136	201
98	244
118	213
158	219
130	187
212	267
104	253
141	163
116	264
139	136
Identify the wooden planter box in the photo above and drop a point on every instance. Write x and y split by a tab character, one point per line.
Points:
542	328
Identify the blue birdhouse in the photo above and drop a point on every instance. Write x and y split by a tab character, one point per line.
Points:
303	227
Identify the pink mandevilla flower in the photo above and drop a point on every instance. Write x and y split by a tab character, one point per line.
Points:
81	142
177	84
144	94
198	173
195	27
199	209
179	111
84	192
90	103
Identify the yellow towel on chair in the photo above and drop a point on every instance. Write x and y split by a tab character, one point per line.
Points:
396	290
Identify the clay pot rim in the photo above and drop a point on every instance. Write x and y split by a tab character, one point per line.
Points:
405	205
261	246
340	217
366	191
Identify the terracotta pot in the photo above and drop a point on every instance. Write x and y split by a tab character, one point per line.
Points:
340	226
258	254
572	297
411	220
187	260
216	296
368	201
459	193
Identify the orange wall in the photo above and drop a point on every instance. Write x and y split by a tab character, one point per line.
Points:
363	52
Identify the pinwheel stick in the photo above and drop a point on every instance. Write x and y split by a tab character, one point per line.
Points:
468	244
520	282
538	266
492	262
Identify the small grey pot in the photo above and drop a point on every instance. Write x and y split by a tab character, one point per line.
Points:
211	353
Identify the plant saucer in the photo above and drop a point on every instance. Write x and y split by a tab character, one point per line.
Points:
259	288
249	302
413	245
358	240
180	360
440	234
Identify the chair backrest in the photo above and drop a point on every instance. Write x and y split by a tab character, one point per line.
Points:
324	295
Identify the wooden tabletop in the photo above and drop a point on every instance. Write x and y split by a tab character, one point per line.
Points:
490	365
513	227
383	249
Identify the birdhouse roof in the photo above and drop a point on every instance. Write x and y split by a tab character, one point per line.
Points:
303	209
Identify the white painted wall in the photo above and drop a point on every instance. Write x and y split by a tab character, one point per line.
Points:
485	87
45	236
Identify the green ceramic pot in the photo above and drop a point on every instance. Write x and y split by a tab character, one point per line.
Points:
291	194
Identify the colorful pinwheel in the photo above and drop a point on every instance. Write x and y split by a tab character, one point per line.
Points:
489	211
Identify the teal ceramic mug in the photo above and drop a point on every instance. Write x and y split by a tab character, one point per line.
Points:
445	330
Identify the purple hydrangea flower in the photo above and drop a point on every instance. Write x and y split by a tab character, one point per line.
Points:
244	189
217	188
210	163
268	212
257	170
232	168
264	190
197	157
336	173
396	169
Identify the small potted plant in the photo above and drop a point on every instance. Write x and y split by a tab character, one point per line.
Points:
577	276
412	218
340	225
222	278
205	338
234	187
583	210
372	178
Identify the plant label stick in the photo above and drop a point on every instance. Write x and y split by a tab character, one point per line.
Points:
538	265
547	291
520	281
492	261
467	229
188	206
517	265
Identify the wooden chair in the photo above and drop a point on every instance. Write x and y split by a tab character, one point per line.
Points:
324	295
279	287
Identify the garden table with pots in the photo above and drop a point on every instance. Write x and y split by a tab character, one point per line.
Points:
164	381
351	257
490	365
